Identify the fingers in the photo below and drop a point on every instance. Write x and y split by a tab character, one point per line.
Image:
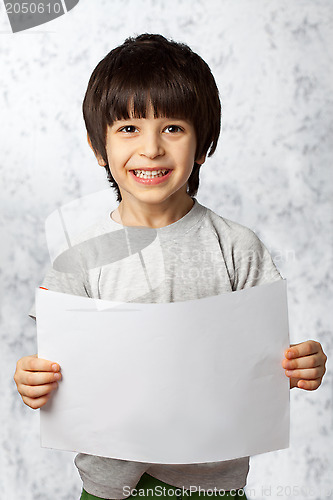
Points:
36	379
309	385
303	349
305	365
34	392
36	396
311	361
306	374
34	364
307	354
36	403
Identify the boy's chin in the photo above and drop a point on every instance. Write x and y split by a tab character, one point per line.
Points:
155	197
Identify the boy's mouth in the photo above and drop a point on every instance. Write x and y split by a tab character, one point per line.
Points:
150	174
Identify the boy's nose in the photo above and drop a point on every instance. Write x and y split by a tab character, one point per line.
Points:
151	146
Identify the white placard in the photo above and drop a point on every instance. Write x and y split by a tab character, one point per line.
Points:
183	382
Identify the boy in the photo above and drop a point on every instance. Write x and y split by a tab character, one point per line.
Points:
152	113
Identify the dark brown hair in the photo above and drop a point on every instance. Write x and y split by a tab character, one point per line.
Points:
149	69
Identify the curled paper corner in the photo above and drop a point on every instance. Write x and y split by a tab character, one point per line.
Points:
29	14
66	226
82	237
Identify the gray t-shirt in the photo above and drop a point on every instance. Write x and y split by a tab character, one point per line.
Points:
200	255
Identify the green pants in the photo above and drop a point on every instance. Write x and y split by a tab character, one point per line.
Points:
155	489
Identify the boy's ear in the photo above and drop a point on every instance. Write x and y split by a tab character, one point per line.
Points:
201	160
100	160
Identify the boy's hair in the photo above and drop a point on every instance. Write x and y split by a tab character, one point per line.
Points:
149	69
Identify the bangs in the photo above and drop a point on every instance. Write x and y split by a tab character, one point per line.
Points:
135	95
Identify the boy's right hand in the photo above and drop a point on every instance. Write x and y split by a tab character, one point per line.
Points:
36	379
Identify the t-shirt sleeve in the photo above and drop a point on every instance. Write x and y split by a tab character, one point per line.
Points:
253	264
64	282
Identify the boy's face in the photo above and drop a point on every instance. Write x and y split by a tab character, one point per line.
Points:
151	158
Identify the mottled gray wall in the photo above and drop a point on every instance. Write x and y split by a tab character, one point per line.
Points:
272	172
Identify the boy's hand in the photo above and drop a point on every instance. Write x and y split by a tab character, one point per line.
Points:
36	379
305	365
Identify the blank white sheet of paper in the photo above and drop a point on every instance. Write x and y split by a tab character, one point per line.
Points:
183	382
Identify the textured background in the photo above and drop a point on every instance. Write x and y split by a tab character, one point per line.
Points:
272	172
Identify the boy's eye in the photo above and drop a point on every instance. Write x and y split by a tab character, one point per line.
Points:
128	129
171	129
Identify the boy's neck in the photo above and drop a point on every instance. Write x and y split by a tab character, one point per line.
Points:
150	215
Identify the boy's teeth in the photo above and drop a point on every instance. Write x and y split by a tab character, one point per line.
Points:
147	174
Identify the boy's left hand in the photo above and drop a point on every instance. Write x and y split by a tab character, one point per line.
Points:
305	365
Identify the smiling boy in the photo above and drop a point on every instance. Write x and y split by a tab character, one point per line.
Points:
152	113
151	160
